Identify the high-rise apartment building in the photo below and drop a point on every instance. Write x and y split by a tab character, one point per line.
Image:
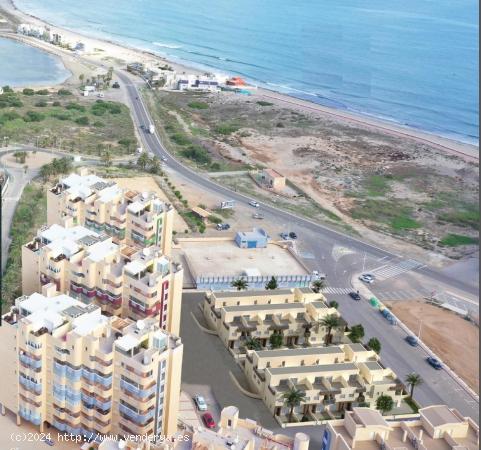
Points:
136	218
123	280
68	365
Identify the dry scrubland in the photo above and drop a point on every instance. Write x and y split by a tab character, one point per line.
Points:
60	119
459	349
358	178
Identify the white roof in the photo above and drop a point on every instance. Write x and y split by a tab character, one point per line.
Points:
45	311
64	240
109	193
135	207
127	342
86	323
79	186
135	266
100	250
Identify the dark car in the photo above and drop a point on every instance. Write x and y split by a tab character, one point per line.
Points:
208	420
355	296
433	362
116	85
412	341
293	235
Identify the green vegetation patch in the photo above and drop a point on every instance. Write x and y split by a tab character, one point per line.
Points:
466	216
226	128
264	103
392	213
30	214
198	105
377	185
455	240
197	154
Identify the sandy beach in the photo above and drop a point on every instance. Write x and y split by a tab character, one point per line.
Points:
108	53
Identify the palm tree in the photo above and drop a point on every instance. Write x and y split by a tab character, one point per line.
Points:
143	160
330	322
272	284
276	340
107	157
240	284
292	398
318	285
333	304
253	344
412	380
374	344
384	403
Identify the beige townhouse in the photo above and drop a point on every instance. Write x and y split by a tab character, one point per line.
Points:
333	379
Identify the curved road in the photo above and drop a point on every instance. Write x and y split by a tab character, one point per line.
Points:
154	145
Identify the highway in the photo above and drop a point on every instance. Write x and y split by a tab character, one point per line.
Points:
322	243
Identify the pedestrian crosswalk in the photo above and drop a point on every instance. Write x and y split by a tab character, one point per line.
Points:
393	270
336	290
404	294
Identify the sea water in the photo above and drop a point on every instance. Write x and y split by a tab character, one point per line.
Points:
414	62
23	65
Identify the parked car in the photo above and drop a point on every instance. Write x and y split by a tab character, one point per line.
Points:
222	226
355	296
412	341
284	236
254	204
163	158
367	278
48	441
257	216
208	420
293	235
433	362
116	85
200	403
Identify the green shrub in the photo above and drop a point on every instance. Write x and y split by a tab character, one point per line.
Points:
98	124
33	116
64	92
10	99
28	91
42	92
56	103
196	153
10	115
180	139
214	219
61	115
41	104
75	106
84	120
226	128
264	103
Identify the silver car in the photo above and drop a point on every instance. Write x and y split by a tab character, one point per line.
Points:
367	278
200	403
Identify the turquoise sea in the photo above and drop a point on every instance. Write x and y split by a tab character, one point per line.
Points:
22	65
414	62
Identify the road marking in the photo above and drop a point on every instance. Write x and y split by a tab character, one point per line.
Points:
393	270
336	290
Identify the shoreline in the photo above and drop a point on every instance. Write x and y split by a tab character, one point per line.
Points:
123	52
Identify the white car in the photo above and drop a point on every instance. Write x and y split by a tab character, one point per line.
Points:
254	204
200	403
367	278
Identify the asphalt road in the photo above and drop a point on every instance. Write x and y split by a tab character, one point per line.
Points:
340	257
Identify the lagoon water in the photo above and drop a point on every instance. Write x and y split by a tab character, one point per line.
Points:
410	61
22	65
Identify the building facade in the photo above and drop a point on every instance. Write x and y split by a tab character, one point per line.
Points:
437	427
137	219
123	280
334	379
295	314
69	366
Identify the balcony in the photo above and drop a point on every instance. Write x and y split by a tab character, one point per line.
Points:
30	362
136	417
96	378
30	385
137	390
29	415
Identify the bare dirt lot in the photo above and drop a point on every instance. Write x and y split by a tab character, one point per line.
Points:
383	187
454	339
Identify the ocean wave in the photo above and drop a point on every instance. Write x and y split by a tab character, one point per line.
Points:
163	45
